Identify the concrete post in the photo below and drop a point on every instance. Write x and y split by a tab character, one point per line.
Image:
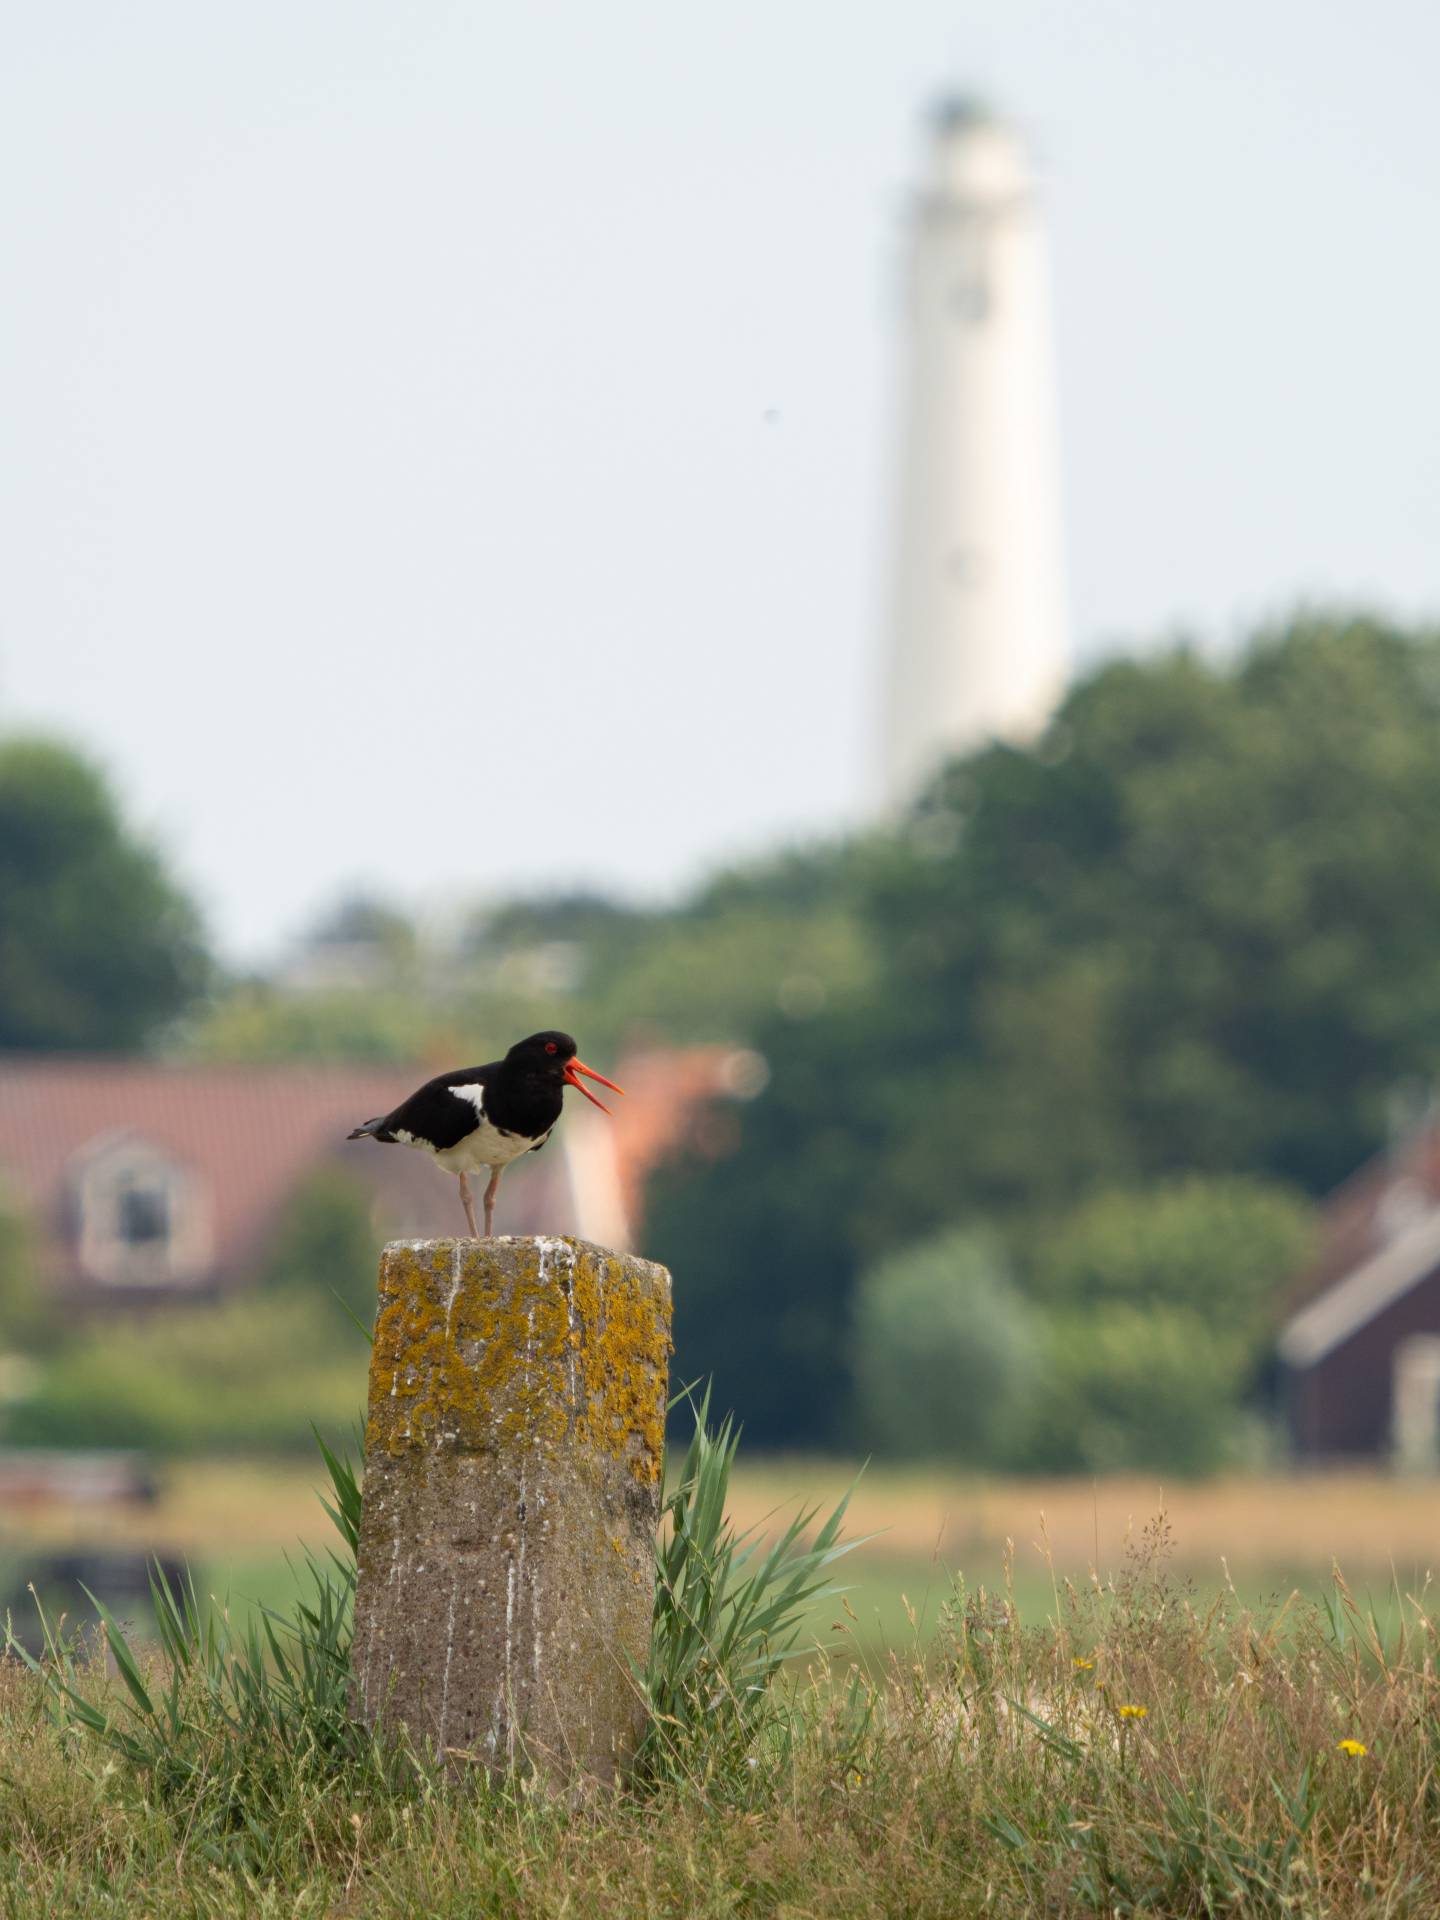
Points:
512	1491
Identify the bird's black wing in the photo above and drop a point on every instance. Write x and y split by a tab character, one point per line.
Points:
435	1113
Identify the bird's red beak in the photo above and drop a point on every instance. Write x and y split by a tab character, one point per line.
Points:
576	1066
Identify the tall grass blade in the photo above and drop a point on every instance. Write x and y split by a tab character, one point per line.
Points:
726	1615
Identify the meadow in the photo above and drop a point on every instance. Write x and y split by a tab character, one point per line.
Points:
238	1522
1143	1741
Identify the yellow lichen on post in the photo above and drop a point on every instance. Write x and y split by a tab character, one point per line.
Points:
587	1341
516	1422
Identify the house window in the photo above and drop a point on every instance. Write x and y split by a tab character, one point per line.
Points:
142	1217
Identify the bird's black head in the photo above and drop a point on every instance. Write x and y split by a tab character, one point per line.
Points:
544	1052
553	1055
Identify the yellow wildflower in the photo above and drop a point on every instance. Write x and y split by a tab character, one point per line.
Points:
1081	1666
1132	1713
1353	1747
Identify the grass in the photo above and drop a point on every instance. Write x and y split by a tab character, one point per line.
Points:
727	1614
998	1774
1116	1730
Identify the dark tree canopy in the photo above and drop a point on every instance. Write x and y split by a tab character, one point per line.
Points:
1193	932
97	945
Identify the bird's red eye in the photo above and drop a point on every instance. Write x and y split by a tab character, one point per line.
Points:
550	1047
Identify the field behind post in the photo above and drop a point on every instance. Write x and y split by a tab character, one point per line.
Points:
237	1521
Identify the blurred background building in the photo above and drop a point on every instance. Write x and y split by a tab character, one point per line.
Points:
142	1184
1361	1348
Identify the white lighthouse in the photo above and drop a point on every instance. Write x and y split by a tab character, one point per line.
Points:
978	646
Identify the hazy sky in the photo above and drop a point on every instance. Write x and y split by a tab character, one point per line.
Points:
448	446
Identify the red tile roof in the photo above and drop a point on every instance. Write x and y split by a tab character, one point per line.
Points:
1367	1210
251	1132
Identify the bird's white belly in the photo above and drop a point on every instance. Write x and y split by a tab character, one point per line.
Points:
487	1146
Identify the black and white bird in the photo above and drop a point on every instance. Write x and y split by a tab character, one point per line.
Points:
485	1117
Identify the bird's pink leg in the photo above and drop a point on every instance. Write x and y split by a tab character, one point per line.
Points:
470	1209
495	1173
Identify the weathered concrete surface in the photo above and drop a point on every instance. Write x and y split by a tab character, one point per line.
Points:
512	1491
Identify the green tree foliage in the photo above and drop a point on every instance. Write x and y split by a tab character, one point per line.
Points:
243	1376
764	1239
1158	1308
1147	1315
360	919
1190	933
944	1353
257	1022
24	1320
1129	1385
325	1248
1222	1246
97	945
783	937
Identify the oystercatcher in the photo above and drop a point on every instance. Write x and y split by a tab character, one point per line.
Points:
488	1116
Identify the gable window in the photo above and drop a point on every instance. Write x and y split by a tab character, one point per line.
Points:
142	1217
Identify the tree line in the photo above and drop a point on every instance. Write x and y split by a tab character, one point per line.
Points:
1058	1062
